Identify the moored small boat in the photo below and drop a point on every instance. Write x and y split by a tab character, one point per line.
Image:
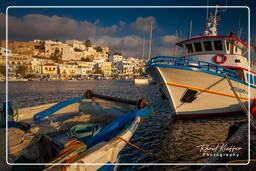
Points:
91	129
142	81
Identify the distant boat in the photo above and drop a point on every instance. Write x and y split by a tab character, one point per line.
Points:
142	81
89	129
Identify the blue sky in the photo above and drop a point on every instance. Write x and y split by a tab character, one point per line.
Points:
116	27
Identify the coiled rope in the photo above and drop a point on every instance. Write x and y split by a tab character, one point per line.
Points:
70	153
82	131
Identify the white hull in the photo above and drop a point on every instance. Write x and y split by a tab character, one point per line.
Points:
205	104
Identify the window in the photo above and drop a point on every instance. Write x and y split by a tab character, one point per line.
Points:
237	61
251	78
236	49
227	43
218	45
46	68
240	74
189	48
207	46
198	47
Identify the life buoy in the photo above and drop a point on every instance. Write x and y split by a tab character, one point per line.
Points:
220	59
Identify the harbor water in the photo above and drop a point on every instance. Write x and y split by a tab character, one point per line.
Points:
173	141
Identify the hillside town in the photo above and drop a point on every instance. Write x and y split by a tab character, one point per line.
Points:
68	60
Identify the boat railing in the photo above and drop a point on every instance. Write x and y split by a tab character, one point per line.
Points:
192	63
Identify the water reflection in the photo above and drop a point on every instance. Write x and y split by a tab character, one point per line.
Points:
174	141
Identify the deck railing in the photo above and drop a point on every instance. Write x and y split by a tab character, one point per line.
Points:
192	64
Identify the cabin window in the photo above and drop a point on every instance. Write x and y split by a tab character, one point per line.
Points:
227	43
189	48
240	73
249	78
218	45
207	46
254	79
198	47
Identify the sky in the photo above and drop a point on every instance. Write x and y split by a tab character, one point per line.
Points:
122	29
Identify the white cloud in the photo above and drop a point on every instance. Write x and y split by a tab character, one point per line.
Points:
169	40
128	45
132	46
107	30
37	26
142	24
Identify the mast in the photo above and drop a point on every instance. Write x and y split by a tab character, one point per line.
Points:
150	40
175	46
190	29
211	26
143	48
207	10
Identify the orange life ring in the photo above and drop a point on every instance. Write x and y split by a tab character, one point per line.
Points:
220	59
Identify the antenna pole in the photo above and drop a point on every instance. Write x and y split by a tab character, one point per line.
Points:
143	48
207	10
150	40
175	46
190	29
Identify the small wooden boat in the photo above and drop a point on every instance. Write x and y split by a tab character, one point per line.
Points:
91	129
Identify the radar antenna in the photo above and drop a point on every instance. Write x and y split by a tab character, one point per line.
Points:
211	25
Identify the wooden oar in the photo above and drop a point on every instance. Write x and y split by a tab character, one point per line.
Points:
141	103
88	94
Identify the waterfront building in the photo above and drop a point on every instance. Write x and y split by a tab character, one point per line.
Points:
106	68
3	53
117	58
50	70
128	67
68	71
101	55
86	68
99	61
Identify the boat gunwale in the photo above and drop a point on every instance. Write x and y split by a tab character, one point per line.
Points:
196	69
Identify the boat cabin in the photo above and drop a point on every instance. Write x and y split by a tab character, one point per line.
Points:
229	45
227	51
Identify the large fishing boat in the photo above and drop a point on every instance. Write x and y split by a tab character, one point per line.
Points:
212	79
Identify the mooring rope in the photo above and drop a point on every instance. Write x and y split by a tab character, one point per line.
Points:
247	112
141	149
240	102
